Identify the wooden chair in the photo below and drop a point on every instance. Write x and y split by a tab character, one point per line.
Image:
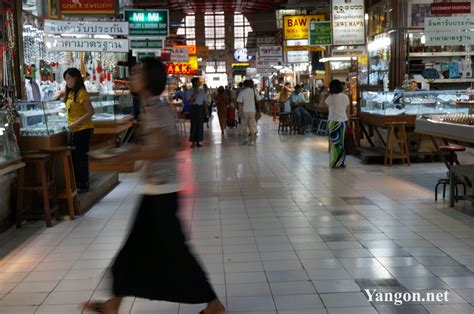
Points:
285	123
69	194
451	150
42	182
396	137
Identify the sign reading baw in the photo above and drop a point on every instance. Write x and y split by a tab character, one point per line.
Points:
296	26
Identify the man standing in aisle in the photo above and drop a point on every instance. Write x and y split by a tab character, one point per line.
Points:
198	108
248	100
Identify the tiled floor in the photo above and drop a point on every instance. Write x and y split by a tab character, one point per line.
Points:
277	230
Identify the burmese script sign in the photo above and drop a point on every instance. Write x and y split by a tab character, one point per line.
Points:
89	28
296	26
86	44
348	22
71	7
270	53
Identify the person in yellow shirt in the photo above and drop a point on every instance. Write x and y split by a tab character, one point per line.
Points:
79	112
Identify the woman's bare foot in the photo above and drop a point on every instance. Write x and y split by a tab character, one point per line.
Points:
214	307
110	306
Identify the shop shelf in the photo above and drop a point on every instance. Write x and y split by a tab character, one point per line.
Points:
441	54
467	80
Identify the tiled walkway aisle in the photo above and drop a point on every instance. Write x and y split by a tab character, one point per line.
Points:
278	231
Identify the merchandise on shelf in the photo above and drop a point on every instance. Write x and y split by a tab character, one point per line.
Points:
9	151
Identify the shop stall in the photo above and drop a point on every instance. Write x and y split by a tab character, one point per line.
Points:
380	108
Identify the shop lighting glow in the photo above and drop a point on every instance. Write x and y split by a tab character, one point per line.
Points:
379	43
331	59
341	48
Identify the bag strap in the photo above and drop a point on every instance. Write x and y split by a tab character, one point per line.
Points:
257	107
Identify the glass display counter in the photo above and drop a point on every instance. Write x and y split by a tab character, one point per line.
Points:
44	123
9	151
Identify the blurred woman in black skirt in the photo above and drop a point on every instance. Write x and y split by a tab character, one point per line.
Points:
155	262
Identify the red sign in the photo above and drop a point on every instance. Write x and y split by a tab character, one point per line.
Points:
180	69
108	7
450	8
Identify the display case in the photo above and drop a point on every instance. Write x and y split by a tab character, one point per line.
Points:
43	124
9	151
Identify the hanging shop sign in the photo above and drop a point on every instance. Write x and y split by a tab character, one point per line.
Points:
180	69
296	26
146	43
145	54
448	39
88	28
449	23
76	7
266	40
149	22
303	48
297	56
86	44
444	8
179	54
242	55
270	53
320	34
348	22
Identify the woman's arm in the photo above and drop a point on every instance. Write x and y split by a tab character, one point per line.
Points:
89	113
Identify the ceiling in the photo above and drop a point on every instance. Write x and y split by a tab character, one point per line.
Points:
246	6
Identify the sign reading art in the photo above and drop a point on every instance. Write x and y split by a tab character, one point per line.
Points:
444	8
320	34
86	44
71	7
348	22
296	26
148	22
180	69
270	54
88	28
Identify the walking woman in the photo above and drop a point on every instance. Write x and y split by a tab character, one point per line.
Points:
155	263
198	109
79	116
221	102
338	104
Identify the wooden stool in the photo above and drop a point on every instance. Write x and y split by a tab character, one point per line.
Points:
69	194
285	122
42	166
452	159
396	136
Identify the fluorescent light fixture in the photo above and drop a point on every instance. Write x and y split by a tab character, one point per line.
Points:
331	59
423	39
379	43
341	48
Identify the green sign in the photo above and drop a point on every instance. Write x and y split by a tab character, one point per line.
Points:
148	22
320	34
146	43
143	55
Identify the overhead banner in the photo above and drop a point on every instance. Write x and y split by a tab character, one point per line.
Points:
179	54
93	7
320	34
149	22
270	54
297	56
89	28
449	23
348	22
296	26
86	44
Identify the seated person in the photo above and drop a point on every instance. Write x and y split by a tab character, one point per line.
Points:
301	117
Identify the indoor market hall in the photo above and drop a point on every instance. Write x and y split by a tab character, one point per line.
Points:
236	156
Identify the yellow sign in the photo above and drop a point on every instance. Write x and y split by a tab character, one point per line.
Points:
303	48
296	26
193	62
240	65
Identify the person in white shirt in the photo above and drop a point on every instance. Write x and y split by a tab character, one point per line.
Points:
248	105
198	108
338	104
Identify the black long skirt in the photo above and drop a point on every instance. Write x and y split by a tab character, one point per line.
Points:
155	263
196	117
